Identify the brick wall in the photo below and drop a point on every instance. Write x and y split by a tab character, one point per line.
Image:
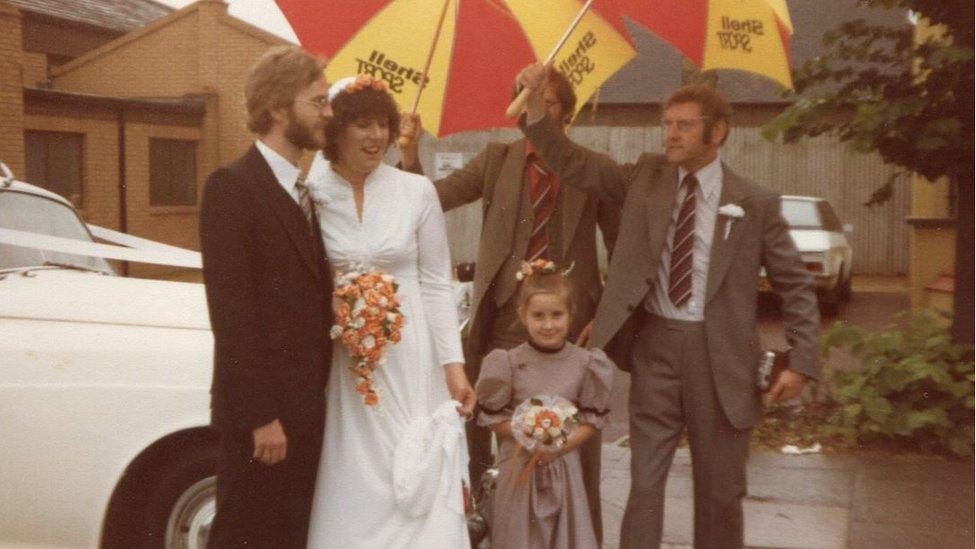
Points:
11	90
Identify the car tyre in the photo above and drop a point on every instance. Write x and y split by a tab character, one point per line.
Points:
845	289
181	507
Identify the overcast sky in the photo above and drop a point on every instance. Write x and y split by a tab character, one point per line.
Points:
260	13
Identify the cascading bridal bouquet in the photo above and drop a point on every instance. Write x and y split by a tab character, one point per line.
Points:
543	424
367	319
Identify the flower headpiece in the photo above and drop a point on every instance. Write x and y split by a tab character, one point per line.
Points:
353	84
543	266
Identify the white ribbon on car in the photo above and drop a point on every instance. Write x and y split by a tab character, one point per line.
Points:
143	251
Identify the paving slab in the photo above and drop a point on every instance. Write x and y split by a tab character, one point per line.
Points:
792	525
931	504
820	501
866	535
830	487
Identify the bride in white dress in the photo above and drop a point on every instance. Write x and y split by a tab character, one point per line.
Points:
373	214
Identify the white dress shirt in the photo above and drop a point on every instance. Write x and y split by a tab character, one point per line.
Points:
284	171
709	193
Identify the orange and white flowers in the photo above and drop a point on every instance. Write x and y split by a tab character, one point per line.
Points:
538	266
364	81
544	423
367	318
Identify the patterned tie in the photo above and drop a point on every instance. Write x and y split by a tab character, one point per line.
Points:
305	200
540	180
682	249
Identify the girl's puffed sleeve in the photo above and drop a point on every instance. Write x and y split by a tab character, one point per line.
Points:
494	389
595	395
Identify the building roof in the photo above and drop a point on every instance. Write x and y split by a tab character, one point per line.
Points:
115	15
656	70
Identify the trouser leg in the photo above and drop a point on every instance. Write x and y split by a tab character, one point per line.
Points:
655	427
718	451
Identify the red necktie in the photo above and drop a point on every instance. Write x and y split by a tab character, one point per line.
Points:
542	202
682	249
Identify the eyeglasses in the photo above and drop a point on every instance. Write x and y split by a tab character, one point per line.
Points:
683	124
321	102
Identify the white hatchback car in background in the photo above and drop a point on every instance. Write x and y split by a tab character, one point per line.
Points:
824	247
104	388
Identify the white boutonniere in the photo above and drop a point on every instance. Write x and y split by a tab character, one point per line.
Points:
731	212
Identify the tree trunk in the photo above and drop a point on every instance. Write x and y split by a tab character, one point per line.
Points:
962	307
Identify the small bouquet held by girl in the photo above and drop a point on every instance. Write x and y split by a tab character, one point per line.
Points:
367	317
543	399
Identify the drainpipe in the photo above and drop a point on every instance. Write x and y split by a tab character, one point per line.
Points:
123	206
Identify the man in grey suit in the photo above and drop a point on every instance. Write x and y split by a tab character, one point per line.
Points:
508	177
679	309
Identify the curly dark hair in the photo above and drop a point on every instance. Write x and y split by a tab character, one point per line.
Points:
350	106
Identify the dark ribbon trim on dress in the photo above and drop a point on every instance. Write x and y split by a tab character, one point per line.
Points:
594	411
547	350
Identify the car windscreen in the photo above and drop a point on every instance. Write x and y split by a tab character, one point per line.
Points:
801	214
37	214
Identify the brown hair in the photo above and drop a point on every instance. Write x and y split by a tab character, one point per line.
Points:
714	107
274	81
563	90
547	283
350	106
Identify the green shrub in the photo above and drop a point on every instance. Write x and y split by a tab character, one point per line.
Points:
913	384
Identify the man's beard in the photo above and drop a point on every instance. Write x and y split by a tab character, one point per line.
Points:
302	136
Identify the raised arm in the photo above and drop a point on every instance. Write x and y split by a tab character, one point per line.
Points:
591	172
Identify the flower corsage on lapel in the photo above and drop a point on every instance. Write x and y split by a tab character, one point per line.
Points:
731	212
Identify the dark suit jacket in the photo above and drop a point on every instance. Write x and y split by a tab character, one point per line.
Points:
268	291
646	190
496	175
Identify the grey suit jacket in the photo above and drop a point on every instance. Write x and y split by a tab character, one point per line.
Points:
646	190
496	175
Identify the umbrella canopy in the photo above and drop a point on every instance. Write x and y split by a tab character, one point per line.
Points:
480	48
749	35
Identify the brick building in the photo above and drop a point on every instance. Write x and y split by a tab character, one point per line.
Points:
125	106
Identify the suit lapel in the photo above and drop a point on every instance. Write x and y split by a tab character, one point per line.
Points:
660	208
503	215
723	250
570	204
288	212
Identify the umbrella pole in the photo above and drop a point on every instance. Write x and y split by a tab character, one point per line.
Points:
516	106
402	141
430	55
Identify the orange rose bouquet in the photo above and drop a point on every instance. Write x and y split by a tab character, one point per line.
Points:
367	318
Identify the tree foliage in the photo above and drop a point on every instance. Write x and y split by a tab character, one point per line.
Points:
882	91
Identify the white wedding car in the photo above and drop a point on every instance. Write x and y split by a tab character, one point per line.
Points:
104	386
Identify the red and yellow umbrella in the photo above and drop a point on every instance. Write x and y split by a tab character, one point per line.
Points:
475	50
749	35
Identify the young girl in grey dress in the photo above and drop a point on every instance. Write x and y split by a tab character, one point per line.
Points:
548	507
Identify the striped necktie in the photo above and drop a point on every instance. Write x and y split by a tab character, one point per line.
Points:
682	248
304	199
542	204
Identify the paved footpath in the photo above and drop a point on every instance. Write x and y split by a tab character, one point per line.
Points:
820	501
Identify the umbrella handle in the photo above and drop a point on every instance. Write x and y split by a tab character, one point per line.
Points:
516	106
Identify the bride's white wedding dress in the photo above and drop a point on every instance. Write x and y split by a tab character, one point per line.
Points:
402	232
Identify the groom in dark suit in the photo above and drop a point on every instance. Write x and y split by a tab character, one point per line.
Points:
268	291
679	308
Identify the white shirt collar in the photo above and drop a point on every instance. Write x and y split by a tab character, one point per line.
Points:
709	177
284	171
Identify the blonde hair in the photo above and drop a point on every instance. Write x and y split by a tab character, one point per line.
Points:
274	81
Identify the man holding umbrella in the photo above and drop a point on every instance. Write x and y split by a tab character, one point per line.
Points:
679	310
527	215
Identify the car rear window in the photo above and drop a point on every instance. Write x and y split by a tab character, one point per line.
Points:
801	213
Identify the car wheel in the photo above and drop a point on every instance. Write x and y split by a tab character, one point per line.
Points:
845	289
181	508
